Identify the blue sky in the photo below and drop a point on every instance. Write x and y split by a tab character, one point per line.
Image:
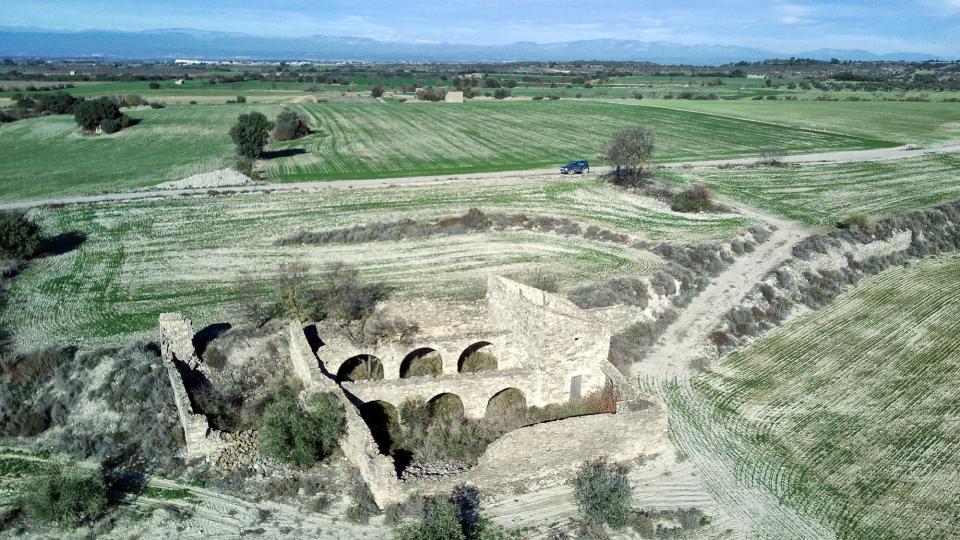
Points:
880	26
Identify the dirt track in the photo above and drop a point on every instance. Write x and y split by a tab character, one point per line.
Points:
900	152
688	337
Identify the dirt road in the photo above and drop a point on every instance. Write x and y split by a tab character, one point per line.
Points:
900	152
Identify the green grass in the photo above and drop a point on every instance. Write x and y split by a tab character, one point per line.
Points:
369	140
162	494
901	122
846	418
183	254
46	157
824	194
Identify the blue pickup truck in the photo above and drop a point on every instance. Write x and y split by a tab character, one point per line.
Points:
578	166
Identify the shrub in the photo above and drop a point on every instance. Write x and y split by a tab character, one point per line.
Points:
109	125
439	522
90	113
66	499
58	102
301	436
770	157
695	199
289	125
250	134
241	99
501	93
154	85
20	238
862	222
376	91
622	290
602	492
343	296
244	166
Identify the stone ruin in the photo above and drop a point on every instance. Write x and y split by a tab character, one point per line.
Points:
545	347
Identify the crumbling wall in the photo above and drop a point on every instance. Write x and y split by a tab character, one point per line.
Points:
548	454
378	471
176	343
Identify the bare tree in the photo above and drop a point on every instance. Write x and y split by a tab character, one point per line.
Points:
290	288
630	152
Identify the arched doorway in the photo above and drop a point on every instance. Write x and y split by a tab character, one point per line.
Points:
423	362
446	406
384	423
477	357
359	368
507	408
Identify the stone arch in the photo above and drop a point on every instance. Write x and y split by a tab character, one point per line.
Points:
446	404
477	357
421	362
360	367
508	407
384	423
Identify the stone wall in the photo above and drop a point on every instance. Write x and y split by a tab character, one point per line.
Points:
337	349
473	389
548	454
378	471
176	343
549	335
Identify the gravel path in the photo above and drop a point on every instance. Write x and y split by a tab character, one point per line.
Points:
900	152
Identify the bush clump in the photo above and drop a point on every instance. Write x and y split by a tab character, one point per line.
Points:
862	222
91	114
67	499
302	435
456	517
20	238
628	291
289	126
694	199
602	492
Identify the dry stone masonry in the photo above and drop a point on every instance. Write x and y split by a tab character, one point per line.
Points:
545	346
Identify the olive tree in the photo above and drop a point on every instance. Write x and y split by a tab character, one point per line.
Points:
251	133
630	151
20	238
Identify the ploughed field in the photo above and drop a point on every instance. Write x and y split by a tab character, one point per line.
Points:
355	139
373	139
823	194
843	421
184	254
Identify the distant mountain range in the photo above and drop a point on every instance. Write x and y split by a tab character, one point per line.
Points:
204	45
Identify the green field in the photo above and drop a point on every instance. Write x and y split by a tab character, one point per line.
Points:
843	421
369	140
822	194
46	157
183	254
903	122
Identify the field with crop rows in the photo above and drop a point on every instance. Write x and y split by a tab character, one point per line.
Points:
842	421
366	140
825	194
903	122
45	157
183	254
